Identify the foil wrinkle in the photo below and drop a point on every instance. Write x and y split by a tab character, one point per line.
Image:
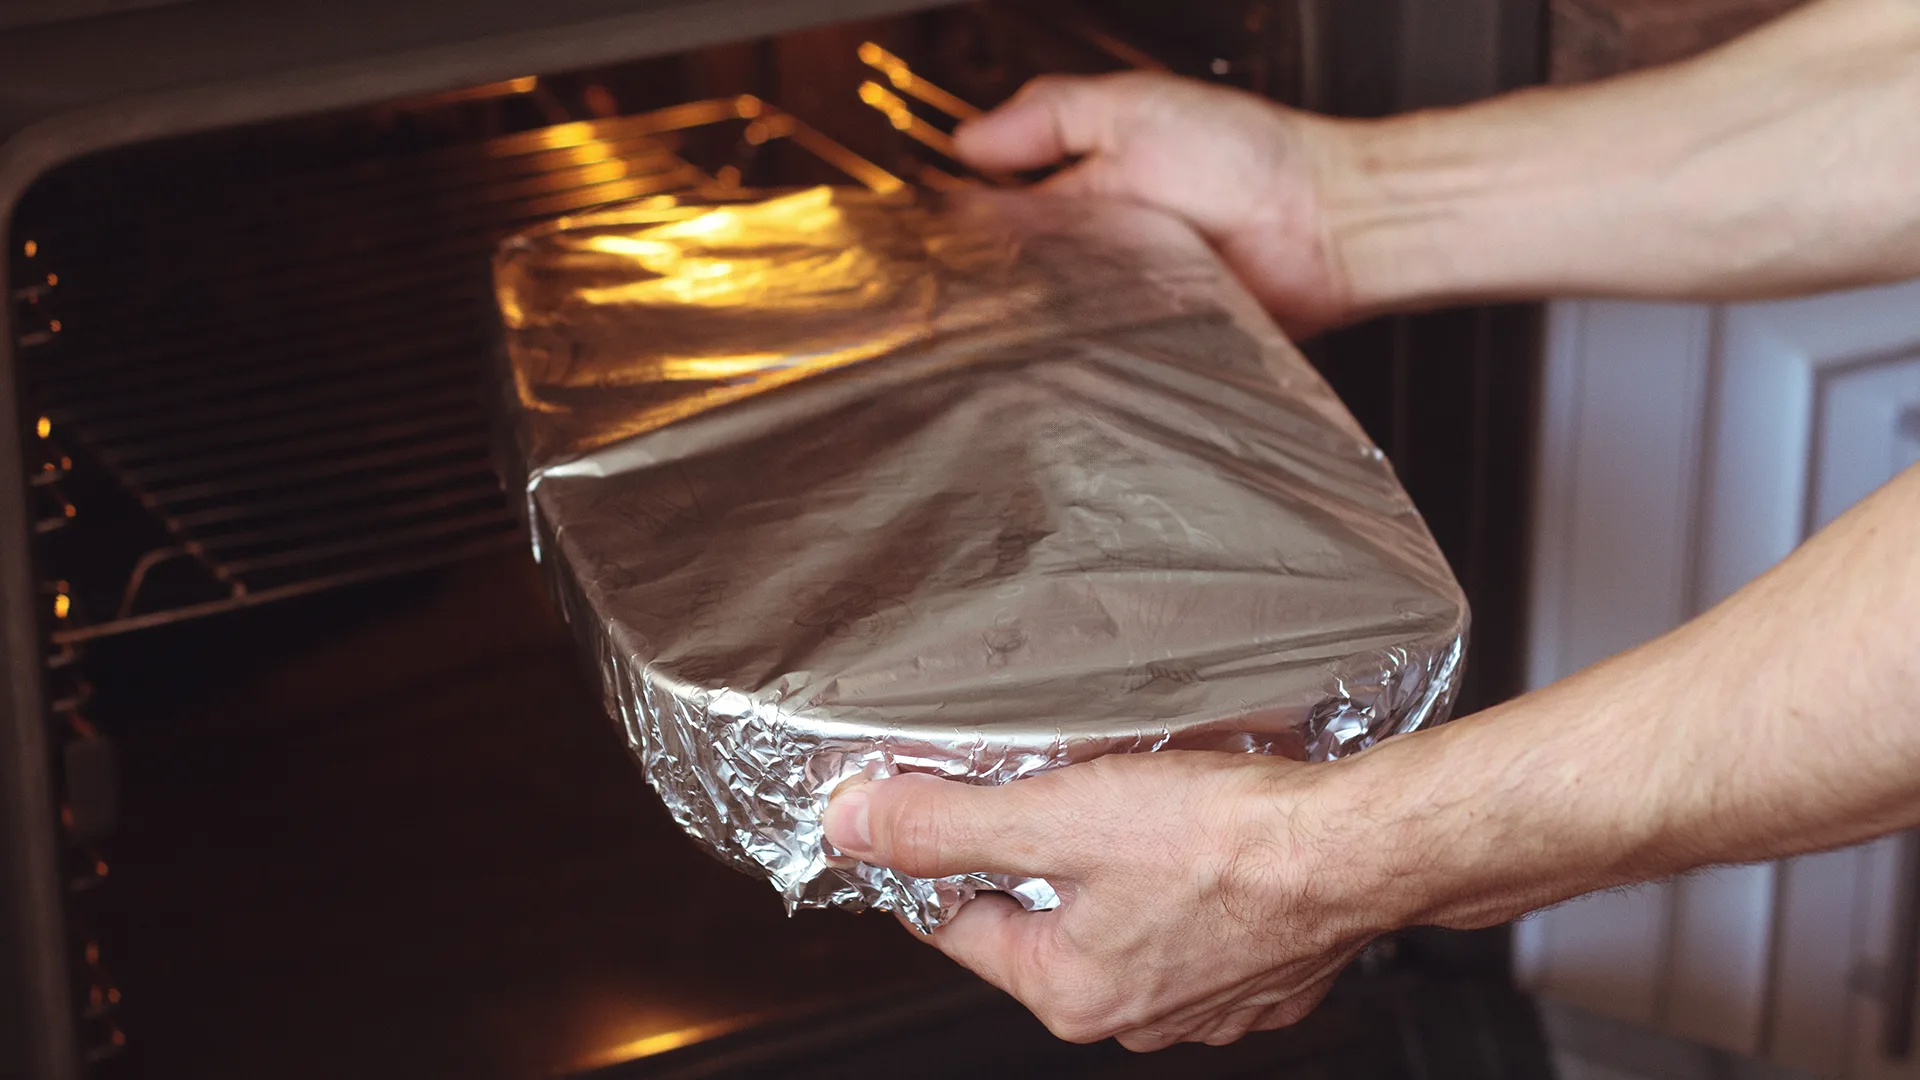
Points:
979	485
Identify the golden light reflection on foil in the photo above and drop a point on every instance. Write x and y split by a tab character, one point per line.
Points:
788	254
832	275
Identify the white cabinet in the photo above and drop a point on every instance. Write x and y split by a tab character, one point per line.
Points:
1685	449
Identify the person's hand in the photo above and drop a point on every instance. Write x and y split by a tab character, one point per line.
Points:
1198	902
1247	173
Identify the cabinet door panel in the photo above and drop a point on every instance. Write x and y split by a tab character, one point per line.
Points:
1725	436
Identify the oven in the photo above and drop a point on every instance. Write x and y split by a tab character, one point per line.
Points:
300	774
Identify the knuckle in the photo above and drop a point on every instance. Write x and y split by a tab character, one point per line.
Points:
1043	87
1142	82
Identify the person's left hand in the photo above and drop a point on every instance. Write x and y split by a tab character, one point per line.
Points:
1198	903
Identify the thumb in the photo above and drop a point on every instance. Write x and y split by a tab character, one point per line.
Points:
1051	119
924	826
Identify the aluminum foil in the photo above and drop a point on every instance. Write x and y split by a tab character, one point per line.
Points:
976	485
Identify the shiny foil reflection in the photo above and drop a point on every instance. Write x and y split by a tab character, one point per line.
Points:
978	485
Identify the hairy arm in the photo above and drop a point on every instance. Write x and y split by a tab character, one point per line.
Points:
1786	720
1208	895
1783	163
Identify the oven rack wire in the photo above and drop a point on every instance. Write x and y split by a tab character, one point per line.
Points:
322	425
316	418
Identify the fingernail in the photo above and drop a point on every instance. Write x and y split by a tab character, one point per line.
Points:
847	825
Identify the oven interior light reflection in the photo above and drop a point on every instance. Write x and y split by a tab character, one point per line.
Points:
661	1042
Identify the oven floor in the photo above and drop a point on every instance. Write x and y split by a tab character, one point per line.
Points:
417	847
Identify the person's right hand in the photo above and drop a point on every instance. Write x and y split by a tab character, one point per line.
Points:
1246	172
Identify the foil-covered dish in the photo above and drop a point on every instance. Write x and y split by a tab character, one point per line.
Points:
979	485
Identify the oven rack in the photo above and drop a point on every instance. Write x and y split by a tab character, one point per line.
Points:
318	420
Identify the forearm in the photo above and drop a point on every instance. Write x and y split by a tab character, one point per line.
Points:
1786	720
1784	163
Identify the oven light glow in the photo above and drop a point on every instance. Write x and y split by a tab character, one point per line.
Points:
70	510
665	1041
32	248
62	604
54	326
53	279
44	427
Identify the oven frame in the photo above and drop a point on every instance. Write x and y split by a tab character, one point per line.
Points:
140	72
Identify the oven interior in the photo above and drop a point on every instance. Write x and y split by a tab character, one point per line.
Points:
336	796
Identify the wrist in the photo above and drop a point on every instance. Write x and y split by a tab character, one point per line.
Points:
1388	207
1541	192
1559	793
1484	202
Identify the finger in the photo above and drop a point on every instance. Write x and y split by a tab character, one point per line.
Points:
989	937
1051	119
924	826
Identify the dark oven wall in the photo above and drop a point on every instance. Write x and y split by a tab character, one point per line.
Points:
249	359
